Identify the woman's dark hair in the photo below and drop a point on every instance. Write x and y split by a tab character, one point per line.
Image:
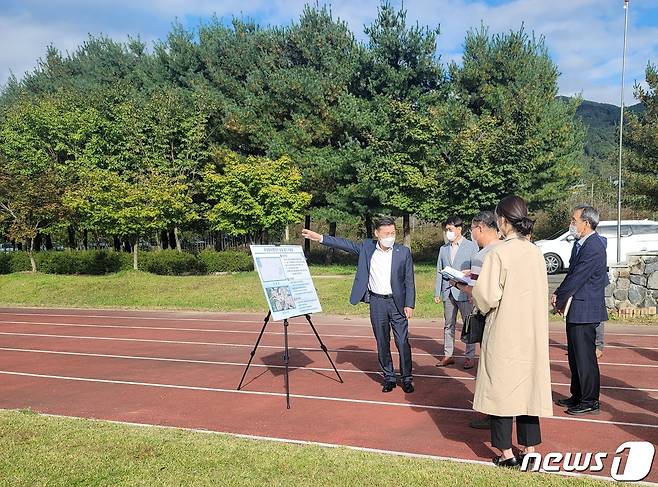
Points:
384	221
515	211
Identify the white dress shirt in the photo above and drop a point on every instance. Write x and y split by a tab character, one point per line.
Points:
454	248
379	281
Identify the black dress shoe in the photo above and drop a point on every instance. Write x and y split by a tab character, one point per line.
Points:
511	462
567	403
388	386
584	409
408	387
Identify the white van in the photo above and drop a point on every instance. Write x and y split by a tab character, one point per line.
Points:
636	236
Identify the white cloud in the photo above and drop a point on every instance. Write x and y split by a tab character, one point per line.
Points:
28	41
583	36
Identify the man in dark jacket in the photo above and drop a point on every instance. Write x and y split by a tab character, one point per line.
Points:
385	279
581	296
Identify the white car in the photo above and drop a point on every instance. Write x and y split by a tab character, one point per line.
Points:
636	236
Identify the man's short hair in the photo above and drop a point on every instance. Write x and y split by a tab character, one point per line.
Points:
454	220
384	221
487	218
589	214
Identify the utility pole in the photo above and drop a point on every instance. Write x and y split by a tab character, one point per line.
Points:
621	133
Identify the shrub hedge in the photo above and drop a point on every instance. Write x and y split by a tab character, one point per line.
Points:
170	263
226	261
96	262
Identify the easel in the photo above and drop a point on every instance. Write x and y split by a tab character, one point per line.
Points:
286	356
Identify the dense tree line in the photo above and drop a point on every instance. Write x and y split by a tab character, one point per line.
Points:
242	129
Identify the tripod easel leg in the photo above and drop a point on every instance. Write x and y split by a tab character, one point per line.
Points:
323	347
286	360
253	352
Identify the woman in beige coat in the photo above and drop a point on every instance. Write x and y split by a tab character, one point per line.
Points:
513	378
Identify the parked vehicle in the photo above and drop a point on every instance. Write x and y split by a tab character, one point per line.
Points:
6	247
636	236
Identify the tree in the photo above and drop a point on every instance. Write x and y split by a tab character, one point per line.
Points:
253	195
112	203
31	202
402	77
408	164
508	83
642	140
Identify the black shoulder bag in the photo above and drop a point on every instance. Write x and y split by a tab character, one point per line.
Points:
473	327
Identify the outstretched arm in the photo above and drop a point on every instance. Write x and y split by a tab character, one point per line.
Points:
334	242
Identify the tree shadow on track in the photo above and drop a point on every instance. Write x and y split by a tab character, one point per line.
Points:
360	359
453	425
641	399
643	352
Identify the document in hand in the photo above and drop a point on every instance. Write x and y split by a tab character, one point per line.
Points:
566	308
450	273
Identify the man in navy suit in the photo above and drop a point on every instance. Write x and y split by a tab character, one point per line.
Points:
585	284
385	279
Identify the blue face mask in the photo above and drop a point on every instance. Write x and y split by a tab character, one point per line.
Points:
574	233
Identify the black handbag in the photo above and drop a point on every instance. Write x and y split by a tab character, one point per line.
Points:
473	327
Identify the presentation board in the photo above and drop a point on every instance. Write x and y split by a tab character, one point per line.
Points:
286	280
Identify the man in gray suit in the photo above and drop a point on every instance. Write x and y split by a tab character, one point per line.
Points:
457	253
385	279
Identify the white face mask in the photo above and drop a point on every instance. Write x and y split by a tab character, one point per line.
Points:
387	241
451	236
572	230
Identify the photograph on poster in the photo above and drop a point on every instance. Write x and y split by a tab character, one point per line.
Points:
280	298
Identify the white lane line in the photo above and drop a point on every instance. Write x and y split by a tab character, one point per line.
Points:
226	320
248	332
244	364
300	396
276	347
212	320
368	337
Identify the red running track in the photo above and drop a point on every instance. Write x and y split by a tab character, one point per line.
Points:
182	368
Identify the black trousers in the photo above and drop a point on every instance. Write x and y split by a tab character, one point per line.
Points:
585	377
385	315
527	431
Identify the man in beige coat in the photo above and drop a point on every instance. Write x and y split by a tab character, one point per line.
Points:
513	378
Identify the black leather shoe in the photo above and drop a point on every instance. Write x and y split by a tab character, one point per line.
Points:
408	387
388	386
567	403
512	462
584	409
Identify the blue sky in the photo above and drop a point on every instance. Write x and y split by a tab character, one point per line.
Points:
584	36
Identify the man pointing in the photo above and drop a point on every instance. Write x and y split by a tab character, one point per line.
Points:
385	279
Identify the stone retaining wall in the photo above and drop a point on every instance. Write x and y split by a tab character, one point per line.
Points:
633	288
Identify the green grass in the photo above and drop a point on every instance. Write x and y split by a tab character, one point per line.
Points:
231	292
39	451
